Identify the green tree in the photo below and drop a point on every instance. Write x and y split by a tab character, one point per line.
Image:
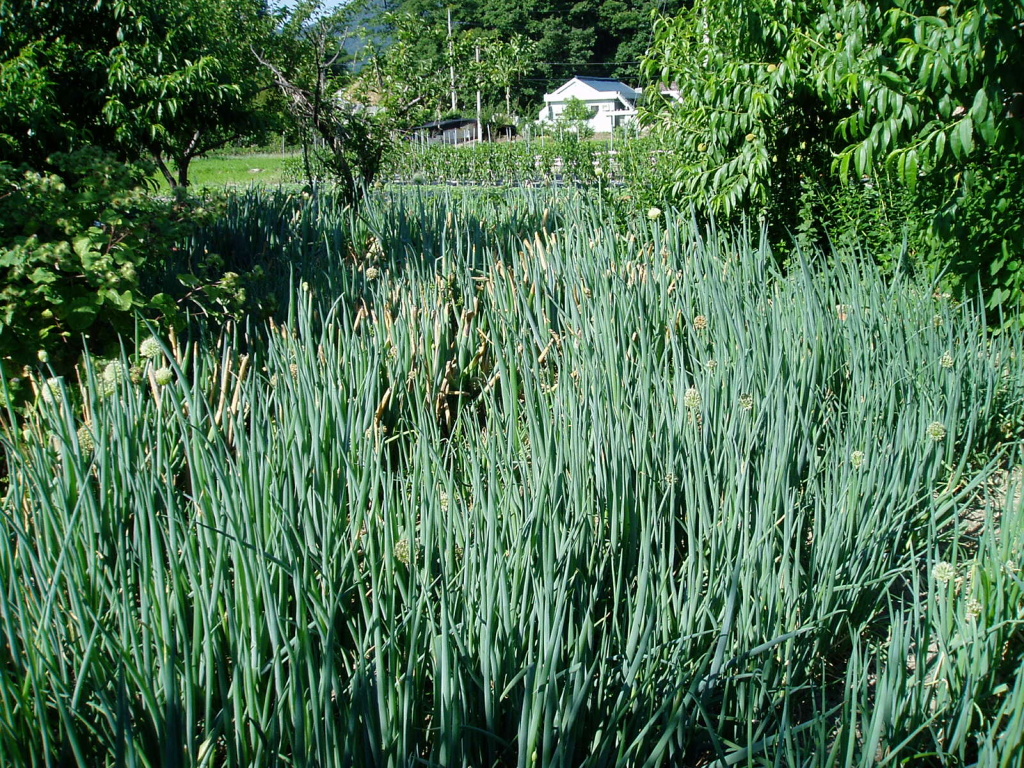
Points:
565	37
411	72
510	61
166	80
772	94
342	137
52	77
88	87
186	81
576	118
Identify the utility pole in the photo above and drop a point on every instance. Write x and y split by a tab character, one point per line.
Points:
451	58
479	125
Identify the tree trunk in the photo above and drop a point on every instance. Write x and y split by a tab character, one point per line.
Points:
168	176
182	163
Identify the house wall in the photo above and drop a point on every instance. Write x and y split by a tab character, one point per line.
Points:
556	108
608	110
609	113
461	134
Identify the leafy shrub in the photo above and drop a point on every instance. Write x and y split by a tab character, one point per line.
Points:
871	215
85	249
767	96
984	225
968	233
575	119
75	237
640	163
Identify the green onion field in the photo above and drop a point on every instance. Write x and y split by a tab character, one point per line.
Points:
503	483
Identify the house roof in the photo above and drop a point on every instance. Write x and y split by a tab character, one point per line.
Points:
453	122
599	84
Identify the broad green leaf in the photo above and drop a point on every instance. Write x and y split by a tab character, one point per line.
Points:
82	313
965	134
43	276
163	301
910	170
189	280
987	129
122	300
84	248
979	110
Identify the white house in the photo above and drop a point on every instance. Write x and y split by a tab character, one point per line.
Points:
612	103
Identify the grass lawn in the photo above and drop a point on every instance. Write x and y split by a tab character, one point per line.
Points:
237	170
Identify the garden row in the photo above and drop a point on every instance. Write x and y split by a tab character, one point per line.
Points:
535	162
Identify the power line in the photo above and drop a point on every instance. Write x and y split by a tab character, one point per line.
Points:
586	63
